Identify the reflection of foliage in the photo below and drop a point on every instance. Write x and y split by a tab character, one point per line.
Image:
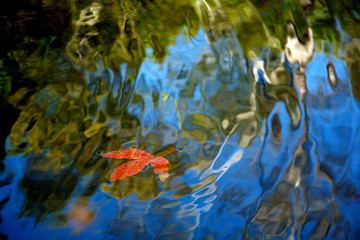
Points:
31	35
121	30
352	57
261	24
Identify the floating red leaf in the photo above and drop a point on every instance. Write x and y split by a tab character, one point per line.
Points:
160	164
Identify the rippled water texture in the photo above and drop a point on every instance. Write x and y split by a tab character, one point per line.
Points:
264	95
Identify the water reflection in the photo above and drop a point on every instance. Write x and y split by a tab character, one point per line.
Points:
266	110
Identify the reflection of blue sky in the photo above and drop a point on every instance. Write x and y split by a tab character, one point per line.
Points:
166	80
334	125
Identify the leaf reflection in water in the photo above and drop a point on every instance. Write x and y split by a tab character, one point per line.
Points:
80	216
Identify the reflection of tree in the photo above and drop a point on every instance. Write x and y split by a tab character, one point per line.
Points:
122	30
125	31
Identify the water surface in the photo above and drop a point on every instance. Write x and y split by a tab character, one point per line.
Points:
263	95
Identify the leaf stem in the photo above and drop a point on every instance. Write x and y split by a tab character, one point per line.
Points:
176	149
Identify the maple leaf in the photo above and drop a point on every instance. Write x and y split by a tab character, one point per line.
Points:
142	159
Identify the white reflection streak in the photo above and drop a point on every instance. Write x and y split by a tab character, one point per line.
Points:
259	65
207	6
297	52
192	209
234	158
